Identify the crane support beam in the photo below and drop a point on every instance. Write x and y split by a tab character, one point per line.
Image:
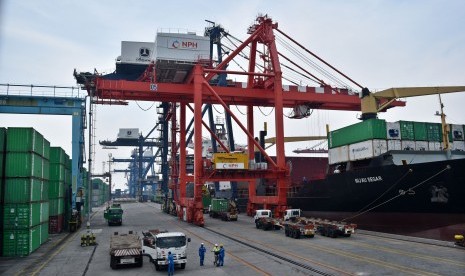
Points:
239	94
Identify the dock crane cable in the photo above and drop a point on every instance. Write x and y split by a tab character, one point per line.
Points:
295	81
401	193
143	109
311	63
308	51
266	115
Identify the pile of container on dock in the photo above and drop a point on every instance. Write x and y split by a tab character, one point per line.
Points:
29	194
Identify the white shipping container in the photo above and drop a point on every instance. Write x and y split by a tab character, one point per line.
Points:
394	145
457	132
393	130
338	155
225	185
133	52
181	47
408	145
367	149
458	145
421	145
434	146
128	133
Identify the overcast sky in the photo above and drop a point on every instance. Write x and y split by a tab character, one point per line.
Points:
380	44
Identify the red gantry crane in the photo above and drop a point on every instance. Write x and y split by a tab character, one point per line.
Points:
264	88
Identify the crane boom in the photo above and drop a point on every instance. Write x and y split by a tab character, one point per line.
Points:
372	103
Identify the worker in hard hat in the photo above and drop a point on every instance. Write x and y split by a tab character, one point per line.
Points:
202	251
170	259
216	252
221	256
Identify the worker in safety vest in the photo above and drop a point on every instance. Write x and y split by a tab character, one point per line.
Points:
216	251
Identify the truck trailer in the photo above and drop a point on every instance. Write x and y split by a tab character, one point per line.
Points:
223	208
125	250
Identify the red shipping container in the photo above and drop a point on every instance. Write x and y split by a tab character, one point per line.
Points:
55	224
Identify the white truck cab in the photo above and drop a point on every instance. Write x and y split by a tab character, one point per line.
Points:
262	213
157	244
290	214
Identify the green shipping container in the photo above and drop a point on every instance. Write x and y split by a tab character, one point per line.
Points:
23	164
25	215
57	155
46	151
45	169
57	172
22	139
43	232
219	205
17	243
2	168
407	131
366	130
434	132
56	206
23	190
419	130
2	139
45	190
56	189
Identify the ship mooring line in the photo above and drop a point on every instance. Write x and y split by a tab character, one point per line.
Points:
401	193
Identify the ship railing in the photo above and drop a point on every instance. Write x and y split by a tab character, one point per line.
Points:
42	90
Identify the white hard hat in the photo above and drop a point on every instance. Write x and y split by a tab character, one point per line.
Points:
216	244
202	243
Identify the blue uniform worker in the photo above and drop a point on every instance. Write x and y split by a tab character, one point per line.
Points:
202	251
221	256
170	264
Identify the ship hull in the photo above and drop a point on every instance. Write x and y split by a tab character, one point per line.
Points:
425	199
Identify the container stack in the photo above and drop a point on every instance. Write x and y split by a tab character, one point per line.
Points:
26	206
56	192
68	193
2	180
374	137
99	192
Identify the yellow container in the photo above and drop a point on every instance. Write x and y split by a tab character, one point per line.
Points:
231	161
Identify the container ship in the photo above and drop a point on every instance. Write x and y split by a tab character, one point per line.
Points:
391	177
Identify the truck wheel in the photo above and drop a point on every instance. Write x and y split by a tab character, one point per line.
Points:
257	225
112	262
141	261
297	234
286	232
183	266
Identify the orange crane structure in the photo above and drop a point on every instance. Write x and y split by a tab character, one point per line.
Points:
264	88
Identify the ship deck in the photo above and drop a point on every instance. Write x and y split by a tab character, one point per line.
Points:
249	251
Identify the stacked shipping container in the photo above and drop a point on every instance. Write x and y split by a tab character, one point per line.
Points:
100	193
58	159
2	184
374	137
25	191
